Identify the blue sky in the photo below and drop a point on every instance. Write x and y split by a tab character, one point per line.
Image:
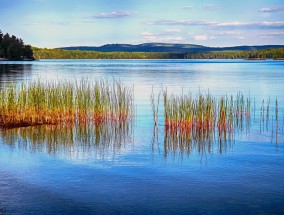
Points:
58	23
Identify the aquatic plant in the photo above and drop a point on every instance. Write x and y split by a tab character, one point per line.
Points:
198	123
155	107
204	113
64	102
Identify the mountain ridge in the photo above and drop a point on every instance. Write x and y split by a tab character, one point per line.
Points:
166	47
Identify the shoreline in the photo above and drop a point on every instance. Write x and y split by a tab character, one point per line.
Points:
249	59
6	59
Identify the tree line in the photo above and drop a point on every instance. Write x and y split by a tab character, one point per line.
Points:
13	48
43	53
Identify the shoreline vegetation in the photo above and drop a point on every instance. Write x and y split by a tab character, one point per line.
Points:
44	53
65	102
14	49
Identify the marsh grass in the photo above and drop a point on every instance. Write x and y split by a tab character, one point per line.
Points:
199	123
155	107
203	115
64	102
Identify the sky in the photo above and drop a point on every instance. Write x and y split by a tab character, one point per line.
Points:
215	23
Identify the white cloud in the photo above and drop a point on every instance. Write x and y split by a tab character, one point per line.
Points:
228	33
209	7
162	38
186	7
200	37
150	37
172	30
271	35
48	23
112	15
212	24
179	22
271	9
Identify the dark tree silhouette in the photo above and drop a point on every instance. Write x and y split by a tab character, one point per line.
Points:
13	48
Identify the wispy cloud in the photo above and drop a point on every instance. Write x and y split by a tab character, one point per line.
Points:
179	22
209	7
206	6
48	23
203	37
172	30
228	33
160	37
200	37
240	38
271	35
112	15
256	25
225	25
186	7
271	9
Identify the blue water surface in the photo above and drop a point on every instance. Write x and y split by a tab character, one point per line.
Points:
138	172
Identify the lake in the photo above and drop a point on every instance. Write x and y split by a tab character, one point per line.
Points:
140	169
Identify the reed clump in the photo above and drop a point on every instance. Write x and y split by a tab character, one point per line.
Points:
65	102
203	115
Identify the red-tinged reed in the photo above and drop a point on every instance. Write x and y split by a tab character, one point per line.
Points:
38	103
204	115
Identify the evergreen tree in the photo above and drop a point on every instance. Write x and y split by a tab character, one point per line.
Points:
13	48
1	37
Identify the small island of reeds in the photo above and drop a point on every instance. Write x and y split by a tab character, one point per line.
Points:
198	122
205	116
203	113
64	102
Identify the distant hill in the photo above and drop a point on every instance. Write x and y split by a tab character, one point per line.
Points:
166	47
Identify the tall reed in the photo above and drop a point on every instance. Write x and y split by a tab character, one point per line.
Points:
204	114
40	102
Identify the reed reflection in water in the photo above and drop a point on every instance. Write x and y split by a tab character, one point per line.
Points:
206	124
81	140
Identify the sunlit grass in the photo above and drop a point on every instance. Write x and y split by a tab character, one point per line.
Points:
39	102
203	115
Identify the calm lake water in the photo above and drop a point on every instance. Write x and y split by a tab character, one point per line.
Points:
54	170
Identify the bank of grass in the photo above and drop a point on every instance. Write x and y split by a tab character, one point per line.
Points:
64	102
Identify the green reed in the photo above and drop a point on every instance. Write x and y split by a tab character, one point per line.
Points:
61	102
201	116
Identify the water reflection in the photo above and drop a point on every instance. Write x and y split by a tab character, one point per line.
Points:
179	142
14	72
76	141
